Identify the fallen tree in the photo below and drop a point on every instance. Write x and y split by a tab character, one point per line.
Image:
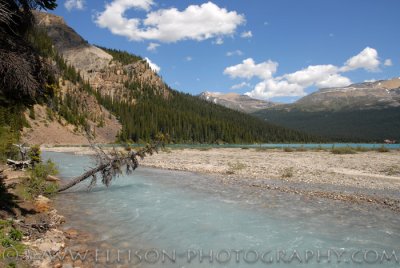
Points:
110	165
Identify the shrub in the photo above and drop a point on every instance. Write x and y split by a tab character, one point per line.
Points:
35	154
233	167
382	149
288	149
343	150
287	172
361	149
37	184
15	234
301	149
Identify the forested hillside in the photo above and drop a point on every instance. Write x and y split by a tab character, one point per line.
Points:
372	125
188	119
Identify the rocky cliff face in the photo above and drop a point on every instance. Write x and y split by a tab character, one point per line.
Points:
236	101
371	95
106	75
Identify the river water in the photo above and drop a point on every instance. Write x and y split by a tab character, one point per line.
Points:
159	218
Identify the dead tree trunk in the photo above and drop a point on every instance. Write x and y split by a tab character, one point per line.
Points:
110	165
82	177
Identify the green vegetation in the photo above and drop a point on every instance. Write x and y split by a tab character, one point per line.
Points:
188	119
235	167
37	185
382	149
122	56
287	172
11	123
393	170
35	154
10	241
343	150
373	125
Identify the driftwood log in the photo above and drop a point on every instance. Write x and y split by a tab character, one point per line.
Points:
15	164
110	165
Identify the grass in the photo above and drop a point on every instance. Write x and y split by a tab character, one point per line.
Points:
287	172
343	150
362	149
288	149
264	149
235	167
301	149
203	148
10	242
392	170
383	149
36	184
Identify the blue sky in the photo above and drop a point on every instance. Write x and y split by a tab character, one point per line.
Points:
269	49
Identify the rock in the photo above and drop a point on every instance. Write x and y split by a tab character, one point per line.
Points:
71	233
52	178
42	204
55	218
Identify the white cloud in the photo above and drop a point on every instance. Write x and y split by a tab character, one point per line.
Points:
294	84
74	4
153	66
152	46
370	80
318	75
241	85
388	62
366	59
188	58
248	34
218	41
248	69
234	53
196	22
274	88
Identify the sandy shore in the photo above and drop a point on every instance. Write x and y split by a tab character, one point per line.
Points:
371	170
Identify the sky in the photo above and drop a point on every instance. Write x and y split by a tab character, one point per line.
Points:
279	50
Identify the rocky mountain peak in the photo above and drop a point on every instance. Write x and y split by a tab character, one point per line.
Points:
236	101
105	74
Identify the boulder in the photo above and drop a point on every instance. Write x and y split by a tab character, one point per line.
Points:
52	178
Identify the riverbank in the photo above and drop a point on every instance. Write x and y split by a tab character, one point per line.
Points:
363	176
32	231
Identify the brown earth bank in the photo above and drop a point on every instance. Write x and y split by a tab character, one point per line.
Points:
46	130
46	242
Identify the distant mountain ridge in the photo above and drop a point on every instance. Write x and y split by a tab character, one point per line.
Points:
365	112
367	95
236	101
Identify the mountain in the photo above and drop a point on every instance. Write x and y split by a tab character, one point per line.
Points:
369	95
365	112
93	86
236	101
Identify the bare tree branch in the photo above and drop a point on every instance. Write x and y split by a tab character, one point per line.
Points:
113	166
